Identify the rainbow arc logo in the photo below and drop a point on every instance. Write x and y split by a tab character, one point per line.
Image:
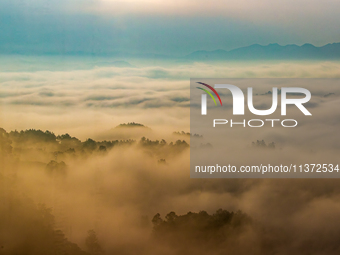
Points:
208	92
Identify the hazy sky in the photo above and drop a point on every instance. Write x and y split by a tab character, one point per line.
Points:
163	26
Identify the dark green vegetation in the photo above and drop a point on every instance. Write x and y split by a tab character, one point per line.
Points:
199	233
131	124
42	145
26	228
182	133
222	232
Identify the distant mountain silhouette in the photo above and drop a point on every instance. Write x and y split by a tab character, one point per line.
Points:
271	51
119	63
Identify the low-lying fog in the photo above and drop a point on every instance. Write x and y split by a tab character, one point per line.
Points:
116	182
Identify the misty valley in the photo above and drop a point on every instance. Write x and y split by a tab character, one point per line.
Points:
61	195
80	174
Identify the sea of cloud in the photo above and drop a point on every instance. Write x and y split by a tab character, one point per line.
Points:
111	192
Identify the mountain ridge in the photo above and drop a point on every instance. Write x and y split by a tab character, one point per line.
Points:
273	51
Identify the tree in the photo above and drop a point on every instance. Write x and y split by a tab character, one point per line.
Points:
157	220
90	144
171	217
198	232
102	148
5	142
57	168
92	243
